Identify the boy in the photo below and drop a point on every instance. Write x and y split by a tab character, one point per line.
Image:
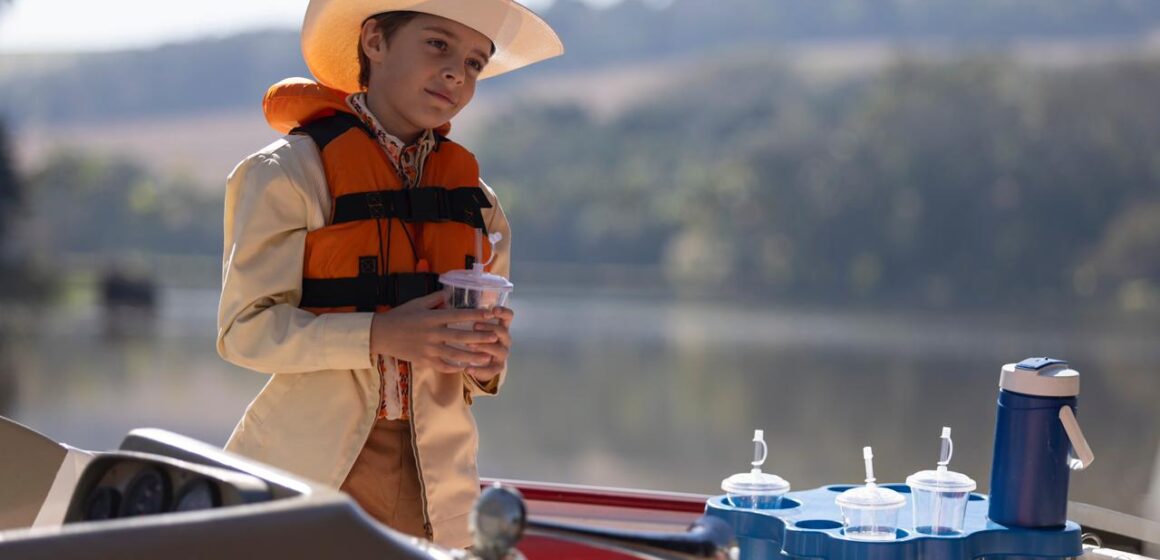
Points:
334	239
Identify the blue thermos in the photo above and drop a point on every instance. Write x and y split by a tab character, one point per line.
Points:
1038	442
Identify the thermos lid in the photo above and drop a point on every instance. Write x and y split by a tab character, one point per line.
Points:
1040	377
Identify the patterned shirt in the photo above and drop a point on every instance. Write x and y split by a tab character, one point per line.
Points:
408	161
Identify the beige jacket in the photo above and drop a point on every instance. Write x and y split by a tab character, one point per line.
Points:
316	411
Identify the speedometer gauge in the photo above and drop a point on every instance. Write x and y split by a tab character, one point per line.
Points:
148	493
197	494
102	503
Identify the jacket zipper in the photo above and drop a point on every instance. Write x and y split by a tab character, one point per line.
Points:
415	450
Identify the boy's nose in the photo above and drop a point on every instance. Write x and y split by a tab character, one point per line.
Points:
454	74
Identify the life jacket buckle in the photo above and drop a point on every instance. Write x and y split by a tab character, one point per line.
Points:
376	205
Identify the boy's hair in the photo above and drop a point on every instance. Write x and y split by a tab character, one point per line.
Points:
388	23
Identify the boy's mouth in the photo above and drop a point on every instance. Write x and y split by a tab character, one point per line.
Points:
443	96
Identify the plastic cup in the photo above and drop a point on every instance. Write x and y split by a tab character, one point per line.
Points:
939	501
754	490
473	289
870	513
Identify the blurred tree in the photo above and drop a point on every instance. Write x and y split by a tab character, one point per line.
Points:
9	189
74	199
973	182
9	185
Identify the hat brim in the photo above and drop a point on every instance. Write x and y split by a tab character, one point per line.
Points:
331	28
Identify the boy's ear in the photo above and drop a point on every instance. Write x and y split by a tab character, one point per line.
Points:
371	38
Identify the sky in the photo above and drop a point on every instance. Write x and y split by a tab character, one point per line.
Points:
85	25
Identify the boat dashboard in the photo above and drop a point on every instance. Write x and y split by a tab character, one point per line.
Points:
164	495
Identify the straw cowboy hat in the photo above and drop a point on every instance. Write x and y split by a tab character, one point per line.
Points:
330	34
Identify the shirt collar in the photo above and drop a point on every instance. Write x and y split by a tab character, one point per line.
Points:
407	160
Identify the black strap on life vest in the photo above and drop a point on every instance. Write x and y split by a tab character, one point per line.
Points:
423	204
368	290
326	129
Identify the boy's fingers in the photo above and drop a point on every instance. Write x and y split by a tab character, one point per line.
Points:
469	337
464	357
504	314
464	315
500	331
498	352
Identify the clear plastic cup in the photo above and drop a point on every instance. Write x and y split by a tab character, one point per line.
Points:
939	501
755	489
940	496
473	289
870	512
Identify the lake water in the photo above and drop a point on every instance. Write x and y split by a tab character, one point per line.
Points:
653	393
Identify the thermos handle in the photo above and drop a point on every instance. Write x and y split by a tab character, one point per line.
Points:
1082	455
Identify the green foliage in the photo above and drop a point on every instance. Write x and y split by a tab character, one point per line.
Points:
976	182
18	280
80	204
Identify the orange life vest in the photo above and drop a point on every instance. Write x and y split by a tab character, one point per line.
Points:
383	244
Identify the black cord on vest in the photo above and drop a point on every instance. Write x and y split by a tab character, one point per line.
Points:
414	251
382	258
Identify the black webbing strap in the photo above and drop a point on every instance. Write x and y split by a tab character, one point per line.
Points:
423	204
362	292
326	129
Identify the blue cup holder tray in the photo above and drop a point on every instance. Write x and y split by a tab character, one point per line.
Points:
808	525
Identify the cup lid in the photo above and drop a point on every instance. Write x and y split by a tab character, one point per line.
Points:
755	482
476	280
940	481
870	496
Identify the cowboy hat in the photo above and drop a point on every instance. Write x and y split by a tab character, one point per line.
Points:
330	34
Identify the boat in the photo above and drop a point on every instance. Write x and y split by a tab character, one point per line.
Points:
160	494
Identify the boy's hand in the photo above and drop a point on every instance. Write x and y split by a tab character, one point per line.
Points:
498	350
417	332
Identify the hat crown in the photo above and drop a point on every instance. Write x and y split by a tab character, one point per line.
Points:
331	28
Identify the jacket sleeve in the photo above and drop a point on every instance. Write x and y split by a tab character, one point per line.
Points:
260	326
497	222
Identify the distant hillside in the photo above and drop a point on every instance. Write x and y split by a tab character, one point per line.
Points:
231	73
179	78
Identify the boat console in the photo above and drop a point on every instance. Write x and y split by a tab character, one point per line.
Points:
164	495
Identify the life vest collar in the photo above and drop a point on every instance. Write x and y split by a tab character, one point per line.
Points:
294	102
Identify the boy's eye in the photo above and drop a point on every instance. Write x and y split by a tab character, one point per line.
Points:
475	64
438	43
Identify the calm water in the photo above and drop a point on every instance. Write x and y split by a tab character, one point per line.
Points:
654	394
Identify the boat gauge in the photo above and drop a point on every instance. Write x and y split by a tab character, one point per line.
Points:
102	503
197	494
147	493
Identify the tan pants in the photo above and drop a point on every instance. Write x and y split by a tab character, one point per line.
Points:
385	481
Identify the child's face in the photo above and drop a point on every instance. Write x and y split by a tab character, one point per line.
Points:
424	75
